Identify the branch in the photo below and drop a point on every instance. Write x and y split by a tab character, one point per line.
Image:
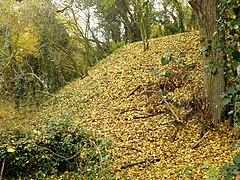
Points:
58	155
173	121
140	162
99	152
176	132
133	91
194	4
3	164
66	7
169	107
197	143
146	116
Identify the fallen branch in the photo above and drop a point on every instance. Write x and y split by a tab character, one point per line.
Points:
197	143
140	162
169	107
146	116
176	132
177	120
173	121
2	169
133	91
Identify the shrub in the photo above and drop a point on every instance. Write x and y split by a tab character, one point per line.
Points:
232	169
57	146
114	46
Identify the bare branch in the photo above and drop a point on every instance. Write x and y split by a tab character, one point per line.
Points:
133	91
60	156
169	107
66	7
3	164
197	143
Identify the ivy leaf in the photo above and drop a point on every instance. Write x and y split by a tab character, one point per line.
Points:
236	21
168	73
182	54
232	90
237	79
237	159
165	60
226	100
214	71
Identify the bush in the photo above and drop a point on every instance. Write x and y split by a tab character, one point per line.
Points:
57	146
232	169
115	45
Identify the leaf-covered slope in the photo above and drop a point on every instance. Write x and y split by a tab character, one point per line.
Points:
119	99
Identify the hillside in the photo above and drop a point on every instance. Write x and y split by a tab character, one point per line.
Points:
120	100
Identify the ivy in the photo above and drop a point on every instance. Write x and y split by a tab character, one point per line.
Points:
54	147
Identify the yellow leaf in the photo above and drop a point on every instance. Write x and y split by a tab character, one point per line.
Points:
10	149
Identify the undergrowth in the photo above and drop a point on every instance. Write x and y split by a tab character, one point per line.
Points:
56	147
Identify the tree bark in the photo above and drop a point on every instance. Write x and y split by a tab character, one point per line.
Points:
213	60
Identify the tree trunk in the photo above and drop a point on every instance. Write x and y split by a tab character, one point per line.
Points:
213	60
179	9
142	24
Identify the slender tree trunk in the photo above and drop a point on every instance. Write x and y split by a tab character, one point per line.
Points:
213	60
142	24
179	9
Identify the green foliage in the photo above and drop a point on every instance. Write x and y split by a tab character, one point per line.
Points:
212	173
54	147
229	13
115	45
232	169
165	60
37	56
229	21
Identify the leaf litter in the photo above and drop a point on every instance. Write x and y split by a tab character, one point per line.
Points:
123	99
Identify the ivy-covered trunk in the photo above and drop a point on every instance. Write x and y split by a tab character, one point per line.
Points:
213	59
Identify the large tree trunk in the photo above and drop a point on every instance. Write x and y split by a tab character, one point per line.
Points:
207	12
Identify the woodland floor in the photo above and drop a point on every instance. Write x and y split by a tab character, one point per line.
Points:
120	100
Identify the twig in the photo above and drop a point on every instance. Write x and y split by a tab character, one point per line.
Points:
140	162
168	122
177	119
130	148
146	116
100	154
176	132
3	164
197	143
66	7
169	107
133	91
133	164
58	155
46	93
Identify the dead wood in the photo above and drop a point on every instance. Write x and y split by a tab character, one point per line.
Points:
176	132
2	169
198	142
169	107
133	91
146	116
139	163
